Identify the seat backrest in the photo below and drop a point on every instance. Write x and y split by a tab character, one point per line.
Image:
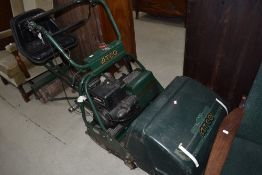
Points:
30	45
251	125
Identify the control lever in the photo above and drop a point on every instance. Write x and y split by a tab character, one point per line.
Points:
40	37
73	108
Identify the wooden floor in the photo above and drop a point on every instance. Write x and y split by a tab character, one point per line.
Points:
223	142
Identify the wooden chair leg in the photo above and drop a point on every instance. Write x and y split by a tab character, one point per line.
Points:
137	14
4	80
24	94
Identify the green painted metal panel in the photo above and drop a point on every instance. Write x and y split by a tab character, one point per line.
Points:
107	56
145	87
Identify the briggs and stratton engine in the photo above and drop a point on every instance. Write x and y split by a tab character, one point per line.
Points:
114	103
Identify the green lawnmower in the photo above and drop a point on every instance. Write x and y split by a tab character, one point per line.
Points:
162	131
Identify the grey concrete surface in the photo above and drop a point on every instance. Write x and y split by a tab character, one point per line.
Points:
41	139
160	46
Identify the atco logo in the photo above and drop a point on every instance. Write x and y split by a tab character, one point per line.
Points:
108	57
206	124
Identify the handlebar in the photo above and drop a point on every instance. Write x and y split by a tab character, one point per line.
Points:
33	26
76	3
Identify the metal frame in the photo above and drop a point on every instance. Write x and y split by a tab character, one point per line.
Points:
98	134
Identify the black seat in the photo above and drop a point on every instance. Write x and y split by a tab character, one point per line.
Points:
37	51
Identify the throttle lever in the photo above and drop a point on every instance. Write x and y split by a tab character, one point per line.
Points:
35	31
39	35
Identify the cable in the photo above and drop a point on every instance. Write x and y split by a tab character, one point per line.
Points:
75	75
67	99
56	64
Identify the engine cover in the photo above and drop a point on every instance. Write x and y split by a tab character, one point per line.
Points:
119	101
108	94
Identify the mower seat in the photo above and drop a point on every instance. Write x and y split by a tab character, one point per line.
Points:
33	48
175	133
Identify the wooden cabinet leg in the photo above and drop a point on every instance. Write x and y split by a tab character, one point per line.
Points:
24	94
4	80
137	14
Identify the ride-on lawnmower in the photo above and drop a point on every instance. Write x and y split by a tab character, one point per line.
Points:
162	131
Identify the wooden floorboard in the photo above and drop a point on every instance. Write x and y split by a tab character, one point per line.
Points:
223	142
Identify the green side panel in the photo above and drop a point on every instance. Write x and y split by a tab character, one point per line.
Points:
251	125
104	58
244	158
145	87
185	113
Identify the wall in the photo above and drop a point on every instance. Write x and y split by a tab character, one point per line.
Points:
224	45
122	13
44	4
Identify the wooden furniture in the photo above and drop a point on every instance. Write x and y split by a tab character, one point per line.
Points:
122	13
168	8
5	16
16	69
223	142
89	35
240	151
98	29
221	51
